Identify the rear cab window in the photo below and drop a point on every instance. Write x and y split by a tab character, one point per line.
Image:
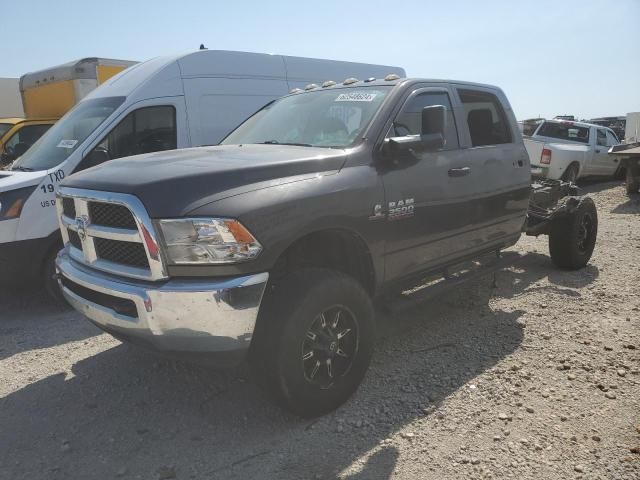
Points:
485	118
568	131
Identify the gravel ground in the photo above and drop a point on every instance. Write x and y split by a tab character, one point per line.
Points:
536	378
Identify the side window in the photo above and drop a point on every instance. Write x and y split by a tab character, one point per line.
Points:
485	117
602	137
611	139
409	120
146	130
26	135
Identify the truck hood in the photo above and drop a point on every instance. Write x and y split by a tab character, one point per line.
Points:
172	183
12	180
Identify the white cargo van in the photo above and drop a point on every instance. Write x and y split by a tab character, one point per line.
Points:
161	104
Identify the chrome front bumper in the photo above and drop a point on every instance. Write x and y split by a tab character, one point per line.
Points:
176	316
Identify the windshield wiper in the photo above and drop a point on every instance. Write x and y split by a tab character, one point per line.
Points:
275	142
22	169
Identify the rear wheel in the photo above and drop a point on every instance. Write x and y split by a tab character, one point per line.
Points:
315	340
573	237
571	173
632	181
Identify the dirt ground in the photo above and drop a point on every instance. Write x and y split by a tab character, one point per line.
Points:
537	378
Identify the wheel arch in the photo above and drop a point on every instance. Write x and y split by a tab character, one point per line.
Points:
337	248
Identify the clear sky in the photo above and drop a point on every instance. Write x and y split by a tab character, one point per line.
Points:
550	56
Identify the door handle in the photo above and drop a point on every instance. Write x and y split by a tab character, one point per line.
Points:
597	151
459	172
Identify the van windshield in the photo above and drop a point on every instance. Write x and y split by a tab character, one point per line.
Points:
55	146
319	118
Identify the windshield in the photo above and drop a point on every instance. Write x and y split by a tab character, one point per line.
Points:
55	146
320	118
4	128
564	131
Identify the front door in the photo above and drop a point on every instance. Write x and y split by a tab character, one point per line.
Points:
602	161
427	212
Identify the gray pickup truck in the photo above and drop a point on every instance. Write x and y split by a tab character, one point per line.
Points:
276	242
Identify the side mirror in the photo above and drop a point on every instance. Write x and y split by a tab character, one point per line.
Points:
430	138
94	158
433	120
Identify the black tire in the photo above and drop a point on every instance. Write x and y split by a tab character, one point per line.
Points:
50	281
571	173
573	237
288	353
632	181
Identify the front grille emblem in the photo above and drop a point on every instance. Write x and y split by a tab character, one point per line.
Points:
82	222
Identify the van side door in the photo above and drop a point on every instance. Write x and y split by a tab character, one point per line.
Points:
499	198
426	206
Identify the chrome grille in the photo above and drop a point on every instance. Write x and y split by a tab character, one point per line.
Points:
110	232
111	215
126	253
74	239
69	207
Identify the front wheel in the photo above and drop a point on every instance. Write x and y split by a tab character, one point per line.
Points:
573	237
315	341
51	284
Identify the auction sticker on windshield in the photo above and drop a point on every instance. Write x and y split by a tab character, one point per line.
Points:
67	143
356	97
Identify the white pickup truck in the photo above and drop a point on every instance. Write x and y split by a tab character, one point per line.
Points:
560	149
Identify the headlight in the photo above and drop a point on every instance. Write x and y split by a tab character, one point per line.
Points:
208	241
11	202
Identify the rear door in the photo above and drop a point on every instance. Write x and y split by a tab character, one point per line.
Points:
498	199
426	193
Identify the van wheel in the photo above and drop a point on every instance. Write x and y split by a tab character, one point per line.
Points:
571	173
573	237
50	281
315	339
632	181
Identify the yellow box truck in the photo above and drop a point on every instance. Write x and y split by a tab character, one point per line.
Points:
53	91
47	95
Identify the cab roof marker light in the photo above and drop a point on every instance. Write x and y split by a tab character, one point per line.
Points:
350	80
296	90
328	83
392	76
311	86
370	79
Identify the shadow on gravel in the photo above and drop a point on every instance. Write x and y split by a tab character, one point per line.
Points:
30	320
130	413
534	266
631	206
595	185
